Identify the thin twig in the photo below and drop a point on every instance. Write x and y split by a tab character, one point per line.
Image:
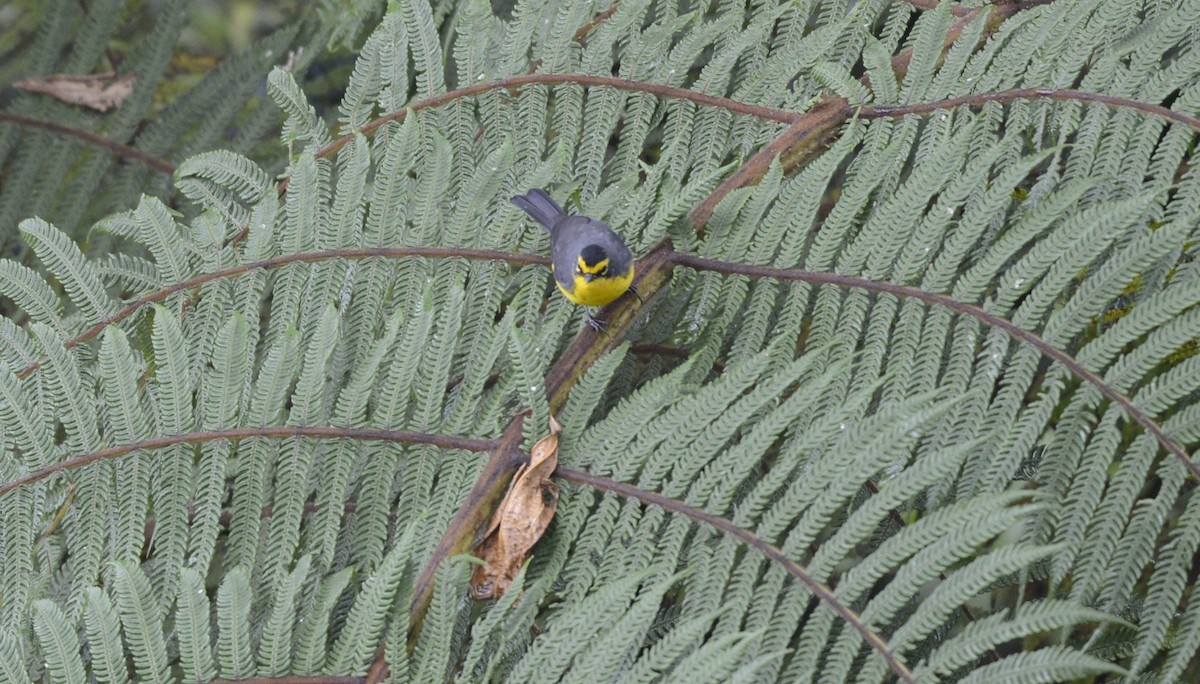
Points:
652	349
1009	96
156	163
582	33
929	5
772	552
515	82
379	666
952	304
294	679
398	436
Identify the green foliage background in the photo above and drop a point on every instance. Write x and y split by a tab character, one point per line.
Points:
986	513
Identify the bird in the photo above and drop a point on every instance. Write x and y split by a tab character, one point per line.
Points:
591	264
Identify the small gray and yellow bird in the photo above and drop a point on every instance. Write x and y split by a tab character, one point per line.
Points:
591	264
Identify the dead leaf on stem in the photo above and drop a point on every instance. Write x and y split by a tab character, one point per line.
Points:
101	92
520	521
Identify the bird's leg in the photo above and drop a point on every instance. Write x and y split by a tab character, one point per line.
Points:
637	294
593	322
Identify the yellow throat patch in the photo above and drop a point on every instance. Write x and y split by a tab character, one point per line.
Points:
601	289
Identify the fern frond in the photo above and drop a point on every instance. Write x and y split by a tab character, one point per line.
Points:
192	628
296	455
172	478
29	429
235	655
267	405
425	45
16	538
580	626
313	628
504	630
130	274
366	79
1049	664
127	420
59	645
275	645
31	293
302	123
11	661
223	387
611	653
355	645
141	621
718	659
80	279
229	171
103	627
990	632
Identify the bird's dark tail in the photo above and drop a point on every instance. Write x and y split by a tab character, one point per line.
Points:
538	204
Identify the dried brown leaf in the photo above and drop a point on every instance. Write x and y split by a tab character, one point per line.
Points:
520	521
101	92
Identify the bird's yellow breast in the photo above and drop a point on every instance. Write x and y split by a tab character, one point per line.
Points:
598	291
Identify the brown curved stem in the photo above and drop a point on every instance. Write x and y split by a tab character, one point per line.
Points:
305	257
156	163
654	272
808	134
398	436
512	82
295	679
772	552
952	304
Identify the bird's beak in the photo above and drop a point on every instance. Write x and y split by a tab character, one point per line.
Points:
589	277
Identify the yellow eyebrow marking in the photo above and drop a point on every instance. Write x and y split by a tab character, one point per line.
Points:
597	268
